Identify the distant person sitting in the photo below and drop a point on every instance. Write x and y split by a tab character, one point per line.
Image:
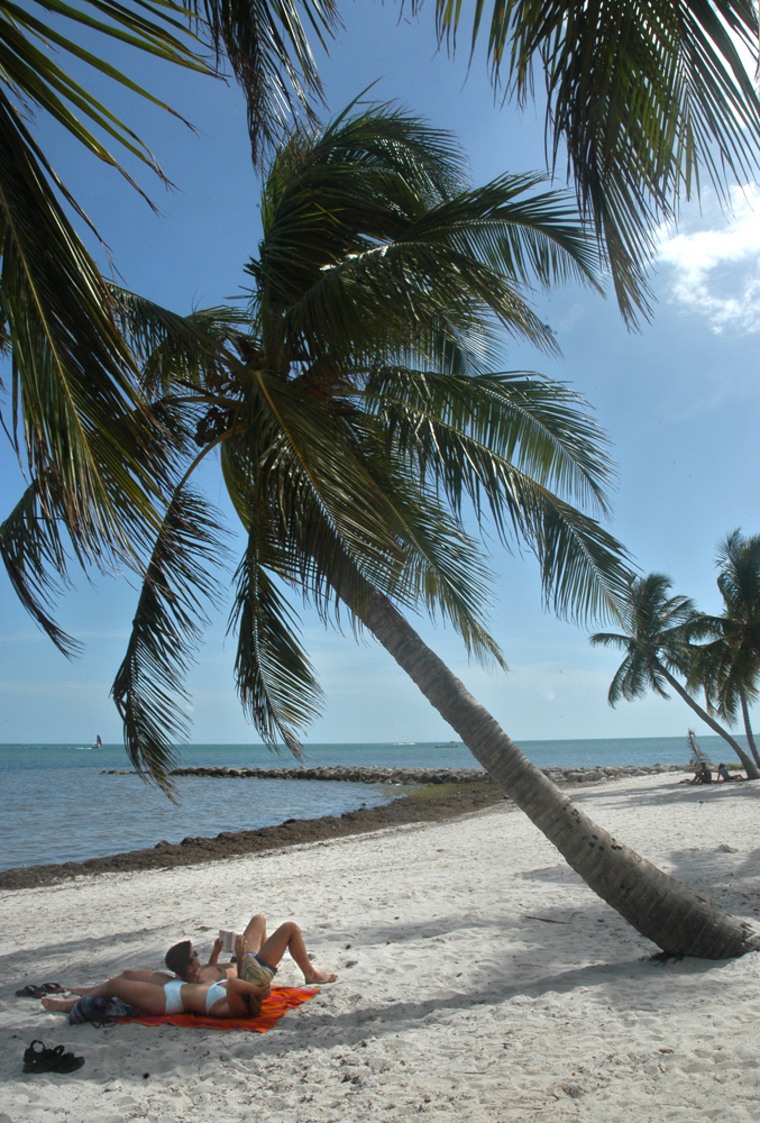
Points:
703	775
725	775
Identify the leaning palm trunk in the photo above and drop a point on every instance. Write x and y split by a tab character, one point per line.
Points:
751	768
674	917
748	728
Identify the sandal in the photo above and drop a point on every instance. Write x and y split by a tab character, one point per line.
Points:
43	1059
53	988
32	991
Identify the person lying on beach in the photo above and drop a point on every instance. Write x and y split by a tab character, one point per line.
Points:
725	775
231	998
258	956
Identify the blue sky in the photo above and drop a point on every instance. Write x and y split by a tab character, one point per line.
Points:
678	400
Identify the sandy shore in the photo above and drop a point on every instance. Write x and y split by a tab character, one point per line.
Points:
479	979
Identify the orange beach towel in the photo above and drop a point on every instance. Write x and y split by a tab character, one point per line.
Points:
273	1007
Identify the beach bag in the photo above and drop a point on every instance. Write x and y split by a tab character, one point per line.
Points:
98	1010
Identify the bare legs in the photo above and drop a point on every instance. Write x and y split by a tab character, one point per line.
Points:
288	937
147	997
158	978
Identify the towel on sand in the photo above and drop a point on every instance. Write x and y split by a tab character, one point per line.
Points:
273	1007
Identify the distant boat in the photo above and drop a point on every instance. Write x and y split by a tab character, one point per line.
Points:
447	744
98	742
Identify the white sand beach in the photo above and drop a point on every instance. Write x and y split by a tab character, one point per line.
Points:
480	980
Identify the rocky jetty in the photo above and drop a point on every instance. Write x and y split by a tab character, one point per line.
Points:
404	777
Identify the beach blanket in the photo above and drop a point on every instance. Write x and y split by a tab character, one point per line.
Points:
273	1007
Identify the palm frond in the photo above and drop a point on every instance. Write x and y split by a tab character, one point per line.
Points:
471	432
353	239
585	570
276	683
35	559
636	674
643	97
156	28
76	417
175	350
269	50
294	451
444	571
148	689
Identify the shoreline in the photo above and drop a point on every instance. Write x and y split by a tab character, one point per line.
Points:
432	795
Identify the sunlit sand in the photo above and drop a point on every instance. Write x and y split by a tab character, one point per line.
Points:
479	979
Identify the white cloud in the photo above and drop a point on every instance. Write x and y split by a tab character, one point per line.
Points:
715	270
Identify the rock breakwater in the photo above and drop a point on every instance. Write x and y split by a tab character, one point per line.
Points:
403	777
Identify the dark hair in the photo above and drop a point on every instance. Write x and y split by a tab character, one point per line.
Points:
178	958
252	1003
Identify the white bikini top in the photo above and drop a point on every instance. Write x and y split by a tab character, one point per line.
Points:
215	993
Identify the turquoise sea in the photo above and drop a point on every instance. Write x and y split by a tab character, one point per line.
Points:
58	804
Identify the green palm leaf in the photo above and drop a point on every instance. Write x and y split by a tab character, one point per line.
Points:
34	556
269	49
31	74
275	680
640	96
148	689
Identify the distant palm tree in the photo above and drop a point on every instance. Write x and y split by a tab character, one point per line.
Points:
356	421
657	641
728	667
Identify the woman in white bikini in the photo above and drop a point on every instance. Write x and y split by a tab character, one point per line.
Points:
228	998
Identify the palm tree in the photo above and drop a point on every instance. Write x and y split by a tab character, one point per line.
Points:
657	641
355	418
728	667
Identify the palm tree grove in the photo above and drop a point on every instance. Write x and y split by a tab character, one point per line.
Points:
355	403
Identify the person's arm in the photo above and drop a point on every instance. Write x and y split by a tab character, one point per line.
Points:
215	952
244	999
241	987
241	950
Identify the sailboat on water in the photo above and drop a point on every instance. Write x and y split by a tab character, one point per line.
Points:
98	743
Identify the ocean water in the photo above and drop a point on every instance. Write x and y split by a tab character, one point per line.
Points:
59	804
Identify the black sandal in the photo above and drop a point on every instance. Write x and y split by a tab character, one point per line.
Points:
43	1059
32	991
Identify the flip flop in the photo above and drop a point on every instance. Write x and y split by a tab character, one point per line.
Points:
32	991
43	1059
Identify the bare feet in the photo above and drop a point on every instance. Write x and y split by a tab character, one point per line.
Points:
319	977
60	1005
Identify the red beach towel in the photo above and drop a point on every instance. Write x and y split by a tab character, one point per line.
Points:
273	1007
